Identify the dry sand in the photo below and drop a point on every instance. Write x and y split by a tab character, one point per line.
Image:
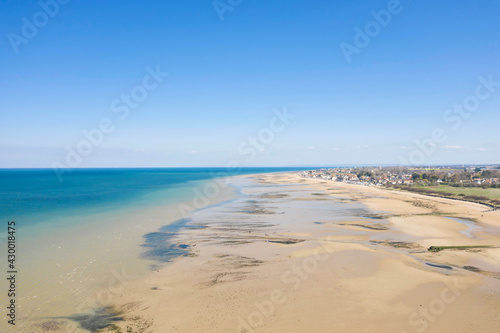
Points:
302	255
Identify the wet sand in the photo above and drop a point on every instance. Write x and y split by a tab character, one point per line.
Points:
66	276
303	255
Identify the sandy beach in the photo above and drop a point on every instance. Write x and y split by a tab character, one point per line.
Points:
232	166
303	255
69	272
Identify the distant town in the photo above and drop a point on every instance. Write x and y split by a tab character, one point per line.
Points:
471	176
478	184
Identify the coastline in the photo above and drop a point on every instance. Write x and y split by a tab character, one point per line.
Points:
72	270
293	255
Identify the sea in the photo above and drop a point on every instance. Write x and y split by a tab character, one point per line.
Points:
37	197
74	236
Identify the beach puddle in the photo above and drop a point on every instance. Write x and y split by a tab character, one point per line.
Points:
471	226
439	266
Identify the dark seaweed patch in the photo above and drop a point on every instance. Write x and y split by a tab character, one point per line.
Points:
273	196
235	242
466	248
258	211
285	241
197	226
164	252
175	226
473	269
377	227
50	326
373	216
98	320
404	245
160	247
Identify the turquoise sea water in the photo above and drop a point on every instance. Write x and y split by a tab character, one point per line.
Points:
37	197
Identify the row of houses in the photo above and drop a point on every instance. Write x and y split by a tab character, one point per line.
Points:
399	176
485	180
365	177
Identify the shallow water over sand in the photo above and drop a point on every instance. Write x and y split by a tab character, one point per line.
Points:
259	230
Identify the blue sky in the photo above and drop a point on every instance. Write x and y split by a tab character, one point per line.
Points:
226	78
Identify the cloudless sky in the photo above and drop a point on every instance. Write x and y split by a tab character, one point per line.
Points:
227	77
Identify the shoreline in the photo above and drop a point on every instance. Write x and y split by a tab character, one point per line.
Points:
71	270
416	194
292	255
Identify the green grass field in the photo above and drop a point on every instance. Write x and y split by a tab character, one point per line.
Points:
492	193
